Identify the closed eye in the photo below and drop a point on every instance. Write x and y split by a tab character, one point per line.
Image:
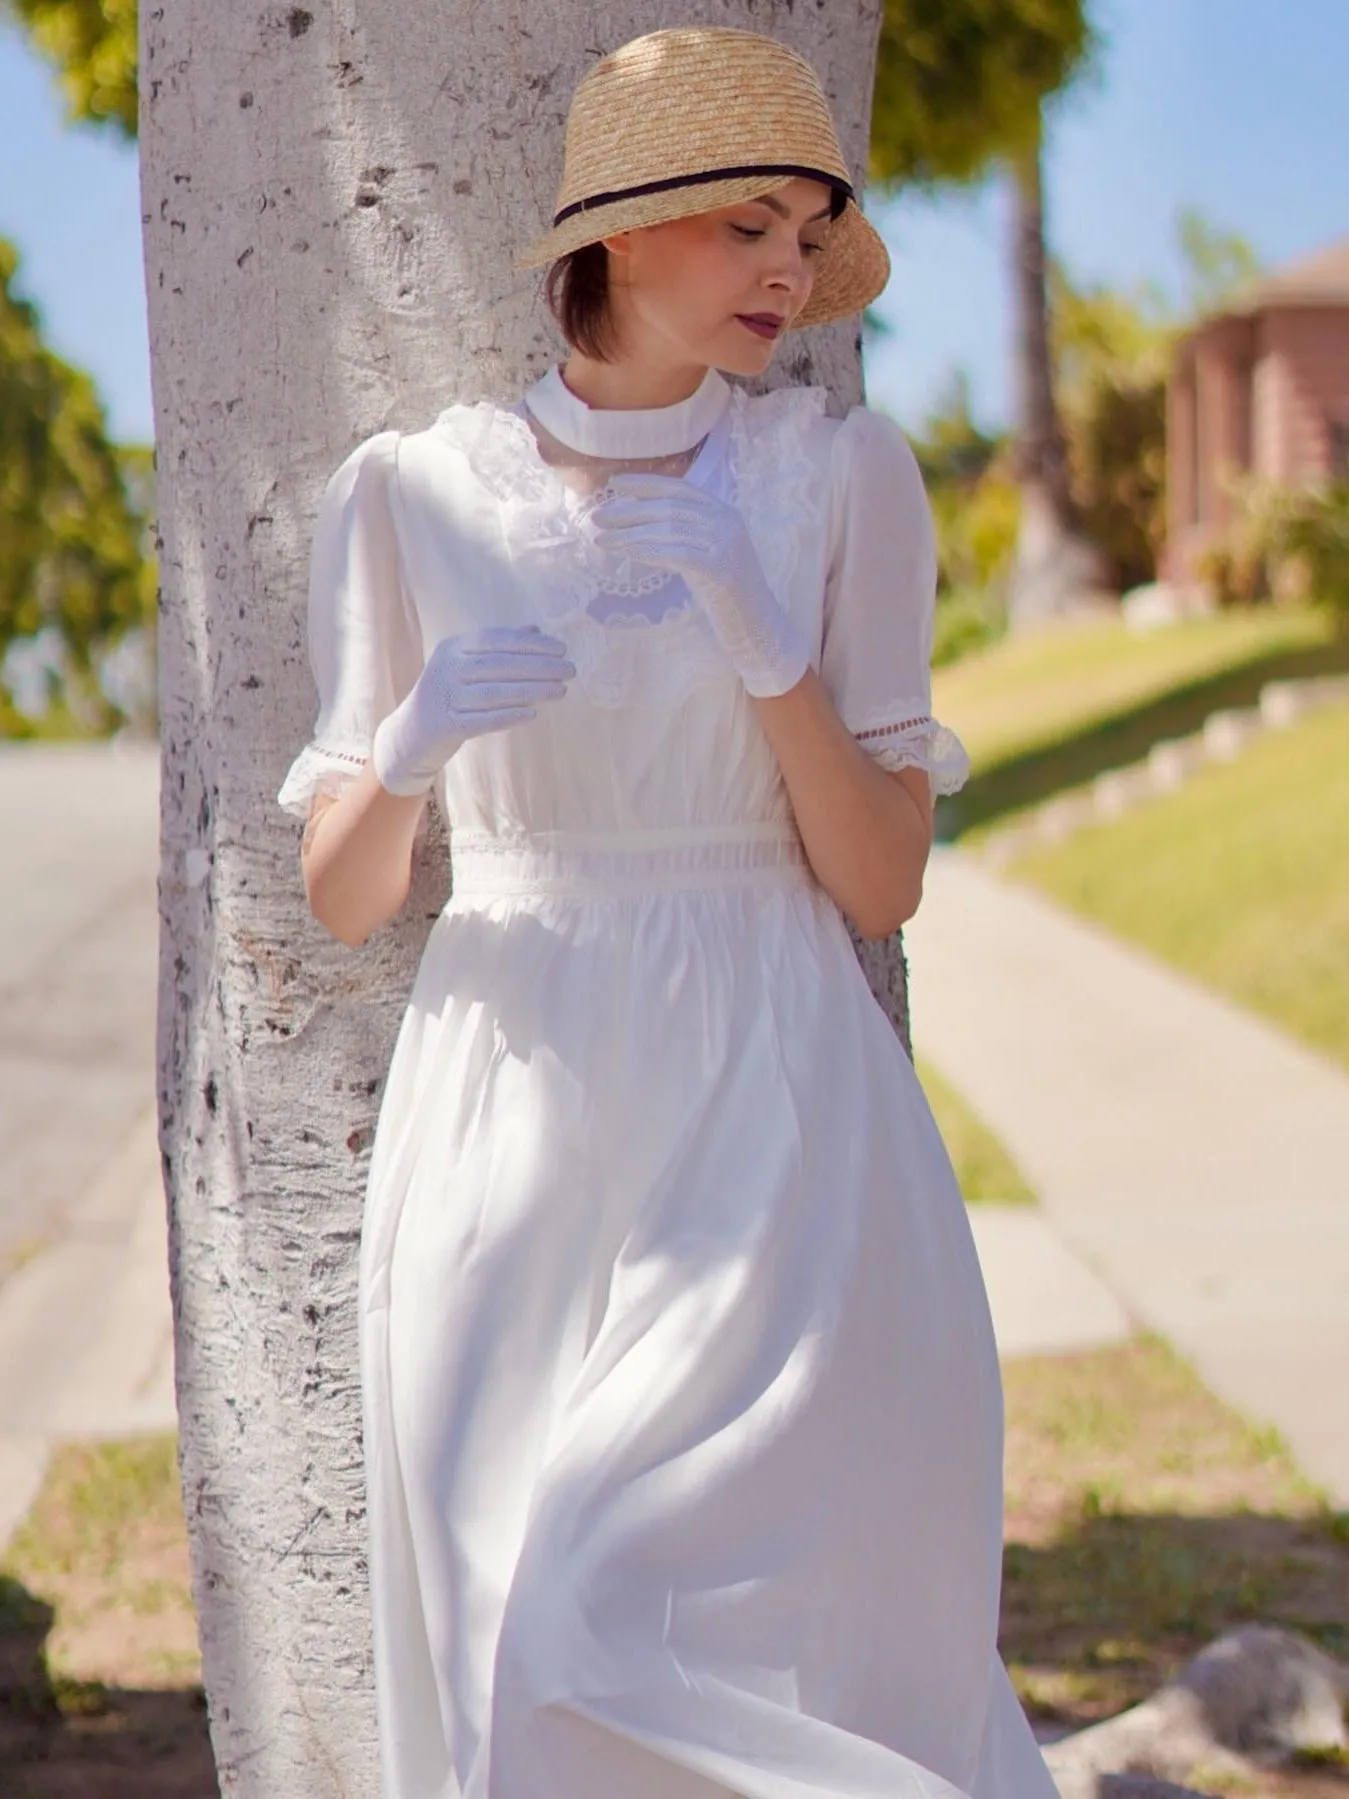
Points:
750	231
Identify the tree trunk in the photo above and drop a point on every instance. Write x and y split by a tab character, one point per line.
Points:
331	201
1057	569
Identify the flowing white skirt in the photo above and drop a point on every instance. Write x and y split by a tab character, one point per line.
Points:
682	1408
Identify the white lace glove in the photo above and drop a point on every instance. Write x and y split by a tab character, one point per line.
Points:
671	523
477	682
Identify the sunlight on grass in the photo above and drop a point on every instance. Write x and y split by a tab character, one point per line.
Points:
1143	1520
104	1548
92	1495
98	1640
1240	879
983	1167
1038	689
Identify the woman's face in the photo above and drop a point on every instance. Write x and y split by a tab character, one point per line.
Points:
695	289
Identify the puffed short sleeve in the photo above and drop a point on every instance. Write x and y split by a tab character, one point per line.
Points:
364	645
880	591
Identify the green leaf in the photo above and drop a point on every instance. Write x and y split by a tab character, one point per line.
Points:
960	83
92	44
74	506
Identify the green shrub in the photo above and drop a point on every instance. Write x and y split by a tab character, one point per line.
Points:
1117	455
1312	541
1283	543
976	524
968	620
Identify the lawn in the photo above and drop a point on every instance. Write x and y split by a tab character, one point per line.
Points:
1143	1519
983	1167
1241	878
100	1691
1053	709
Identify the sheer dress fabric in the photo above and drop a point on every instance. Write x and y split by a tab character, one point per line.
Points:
682	1409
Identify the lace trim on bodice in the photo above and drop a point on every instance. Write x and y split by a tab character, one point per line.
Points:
656	657
617	578
906	735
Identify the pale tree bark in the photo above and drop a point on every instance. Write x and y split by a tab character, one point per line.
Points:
1057	568
331	198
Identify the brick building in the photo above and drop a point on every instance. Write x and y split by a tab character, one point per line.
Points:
1261	388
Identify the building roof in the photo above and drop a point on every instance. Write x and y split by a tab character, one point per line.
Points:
1318	280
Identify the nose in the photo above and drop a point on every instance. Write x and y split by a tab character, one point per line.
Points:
793	273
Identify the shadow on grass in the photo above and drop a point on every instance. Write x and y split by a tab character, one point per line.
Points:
60	1739
1030	779
1100	1616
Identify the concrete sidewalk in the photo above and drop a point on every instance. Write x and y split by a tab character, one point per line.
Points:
86	1336
78	953
1197	1159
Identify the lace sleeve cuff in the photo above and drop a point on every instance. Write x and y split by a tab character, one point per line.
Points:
909	737
319	768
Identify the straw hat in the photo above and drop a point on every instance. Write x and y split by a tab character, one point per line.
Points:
684	121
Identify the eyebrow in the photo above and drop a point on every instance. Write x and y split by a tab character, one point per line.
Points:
784	212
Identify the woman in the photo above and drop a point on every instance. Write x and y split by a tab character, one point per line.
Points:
683	1428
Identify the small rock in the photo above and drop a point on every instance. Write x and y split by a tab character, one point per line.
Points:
1059	818
1282	703
1170	761
1112	794
1268	1694
1257	1697
1227	733
1150	607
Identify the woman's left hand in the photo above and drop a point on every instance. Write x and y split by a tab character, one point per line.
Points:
672	524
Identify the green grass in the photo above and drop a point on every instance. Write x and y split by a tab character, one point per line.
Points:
99	1667
1240	879
1143	1520
1049	711
983	1167
93	1496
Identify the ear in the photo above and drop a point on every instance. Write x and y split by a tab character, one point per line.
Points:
619	244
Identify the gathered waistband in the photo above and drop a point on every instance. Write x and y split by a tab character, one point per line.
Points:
603	864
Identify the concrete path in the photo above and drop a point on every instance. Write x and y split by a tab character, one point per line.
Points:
82	1281
1197	1159
1044	1298
86	1333
78	927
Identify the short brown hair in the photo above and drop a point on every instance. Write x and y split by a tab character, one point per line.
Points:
577	290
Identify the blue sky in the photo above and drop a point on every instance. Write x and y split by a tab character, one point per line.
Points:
1233	106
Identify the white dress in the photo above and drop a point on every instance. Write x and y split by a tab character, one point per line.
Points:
683	1425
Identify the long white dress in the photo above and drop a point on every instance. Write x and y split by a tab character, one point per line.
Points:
683	1423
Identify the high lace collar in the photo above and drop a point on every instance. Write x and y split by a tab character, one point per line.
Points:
604	431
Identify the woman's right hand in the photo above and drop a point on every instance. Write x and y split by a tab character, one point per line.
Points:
473	683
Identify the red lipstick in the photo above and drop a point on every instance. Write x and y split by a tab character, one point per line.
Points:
762	324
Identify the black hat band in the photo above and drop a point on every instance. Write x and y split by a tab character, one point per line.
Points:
841	190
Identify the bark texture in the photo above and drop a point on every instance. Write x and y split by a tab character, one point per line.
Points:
1057	568
331	199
